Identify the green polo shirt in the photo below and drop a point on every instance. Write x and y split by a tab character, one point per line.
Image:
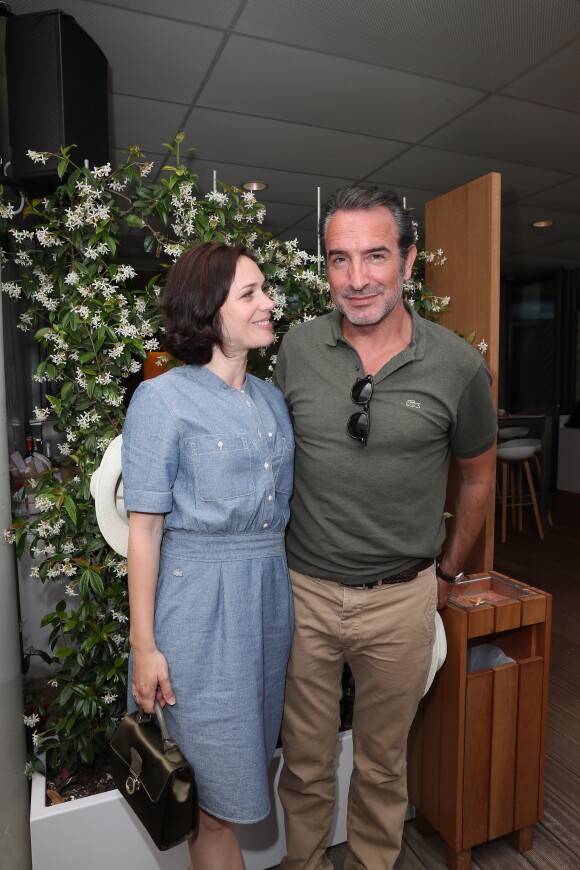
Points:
362	513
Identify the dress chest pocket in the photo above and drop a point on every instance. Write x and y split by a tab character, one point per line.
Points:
223	467
284	464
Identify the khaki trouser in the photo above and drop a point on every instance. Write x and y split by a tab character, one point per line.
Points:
385	634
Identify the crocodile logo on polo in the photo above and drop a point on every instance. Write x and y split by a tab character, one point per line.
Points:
411	403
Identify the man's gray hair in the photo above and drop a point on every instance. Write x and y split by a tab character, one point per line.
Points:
359	197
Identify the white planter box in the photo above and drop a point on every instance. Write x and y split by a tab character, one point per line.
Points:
101	831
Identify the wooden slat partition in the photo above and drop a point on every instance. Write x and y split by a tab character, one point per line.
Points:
528	741
465	223
503	755
451	747
478	715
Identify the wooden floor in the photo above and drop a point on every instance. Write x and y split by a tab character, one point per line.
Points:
552	565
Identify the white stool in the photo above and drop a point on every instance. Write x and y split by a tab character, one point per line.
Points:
512	456
536	443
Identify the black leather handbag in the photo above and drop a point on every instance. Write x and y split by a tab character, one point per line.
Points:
154	778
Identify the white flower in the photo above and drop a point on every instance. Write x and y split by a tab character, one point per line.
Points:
249	198
29	769
124	272
72	278
70	590
219	198
482	346
9	536
120	568
120	617
25	321
38	156
41	413
102	171
260	215
109	697
43	504
145	169
65	449
36	738
12	289
32	720
117	186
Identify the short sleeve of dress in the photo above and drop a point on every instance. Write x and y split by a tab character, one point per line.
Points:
150	452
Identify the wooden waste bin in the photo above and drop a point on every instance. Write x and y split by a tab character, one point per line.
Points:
477	747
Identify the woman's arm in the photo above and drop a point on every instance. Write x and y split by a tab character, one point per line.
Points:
150	669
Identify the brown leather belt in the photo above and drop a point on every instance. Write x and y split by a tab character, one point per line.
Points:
402	577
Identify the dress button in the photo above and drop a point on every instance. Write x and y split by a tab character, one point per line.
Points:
265	526
269	498
266	465
220	444
269	434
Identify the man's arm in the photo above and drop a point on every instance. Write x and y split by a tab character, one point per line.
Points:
475	483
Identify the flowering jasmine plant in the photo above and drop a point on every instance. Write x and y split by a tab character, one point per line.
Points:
96	320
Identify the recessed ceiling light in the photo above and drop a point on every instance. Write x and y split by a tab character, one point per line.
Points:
541	224
254	185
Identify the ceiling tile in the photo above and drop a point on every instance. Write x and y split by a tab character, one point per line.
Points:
518	243
349	95
519	218
307	239
216	14
446	170
554	82
531	264
563	197
183	52
493	41
131	123
515	131
566	249
228	137
291	187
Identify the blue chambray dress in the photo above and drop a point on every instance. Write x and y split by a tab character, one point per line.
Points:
218	462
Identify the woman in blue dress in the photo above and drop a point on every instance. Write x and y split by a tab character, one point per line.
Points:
207	475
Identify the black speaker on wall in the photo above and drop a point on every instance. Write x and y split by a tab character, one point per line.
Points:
57	93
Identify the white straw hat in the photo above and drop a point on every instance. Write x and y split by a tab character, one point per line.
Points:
438	652
107	491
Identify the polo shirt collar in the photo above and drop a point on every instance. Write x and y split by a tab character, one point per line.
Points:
418	341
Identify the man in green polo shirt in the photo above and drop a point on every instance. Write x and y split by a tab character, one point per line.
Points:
380	399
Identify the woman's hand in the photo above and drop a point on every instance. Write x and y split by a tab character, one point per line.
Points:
151	679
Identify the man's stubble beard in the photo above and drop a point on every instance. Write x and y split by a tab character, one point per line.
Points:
364	318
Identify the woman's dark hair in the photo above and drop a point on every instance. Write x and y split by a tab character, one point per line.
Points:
197	287
360	197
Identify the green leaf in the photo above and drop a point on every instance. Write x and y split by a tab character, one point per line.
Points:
70	508
134	220
97	584
64	652
150	244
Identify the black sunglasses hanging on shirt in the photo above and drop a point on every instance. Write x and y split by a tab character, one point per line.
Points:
359	423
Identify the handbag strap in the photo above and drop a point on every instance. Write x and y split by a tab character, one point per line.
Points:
168	743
